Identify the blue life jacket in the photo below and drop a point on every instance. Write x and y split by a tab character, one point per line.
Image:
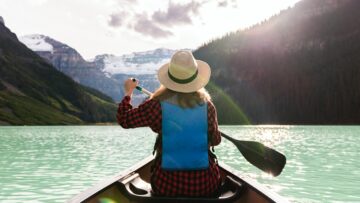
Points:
184	137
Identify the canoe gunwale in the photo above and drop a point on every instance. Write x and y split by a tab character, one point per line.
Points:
107	183
254	185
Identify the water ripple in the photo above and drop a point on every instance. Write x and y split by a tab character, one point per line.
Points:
51	164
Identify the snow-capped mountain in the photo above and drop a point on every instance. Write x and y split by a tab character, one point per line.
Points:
137	63
106	72
37	43
70	62
141	65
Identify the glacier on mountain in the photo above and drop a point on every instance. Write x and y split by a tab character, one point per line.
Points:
137	63
37	43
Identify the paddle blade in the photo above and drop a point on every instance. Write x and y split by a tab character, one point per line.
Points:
264	158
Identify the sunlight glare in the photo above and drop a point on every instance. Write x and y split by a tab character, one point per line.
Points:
272	136
247	13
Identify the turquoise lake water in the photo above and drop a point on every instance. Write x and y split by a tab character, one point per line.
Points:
52	164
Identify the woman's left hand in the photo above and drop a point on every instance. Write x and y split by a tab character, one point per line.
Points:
129	86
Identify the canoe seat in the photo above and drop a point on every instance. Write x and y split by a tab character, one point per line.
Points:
138	190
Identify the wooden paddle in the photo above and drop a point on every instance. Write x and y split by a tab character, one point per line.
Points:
264	158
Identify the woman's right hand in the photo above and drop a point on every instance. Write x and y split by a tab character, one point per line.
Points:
130	85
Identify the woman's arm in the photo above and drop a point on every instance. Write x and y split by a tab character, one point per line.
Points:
213	130
129	117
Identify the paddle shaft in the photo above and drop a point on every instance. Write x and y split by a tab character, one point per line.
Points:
264	158
143	90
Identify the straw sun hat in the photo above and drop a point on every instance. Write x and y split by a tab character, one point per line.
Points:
184	73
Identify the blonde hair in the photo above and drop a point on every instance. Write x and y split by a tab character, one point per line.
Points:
185	100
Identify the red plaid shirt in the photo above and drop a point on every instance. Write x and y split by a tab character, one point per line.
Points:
173	183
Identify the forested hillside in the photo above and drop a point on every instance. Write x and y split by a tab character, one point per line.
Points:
301	66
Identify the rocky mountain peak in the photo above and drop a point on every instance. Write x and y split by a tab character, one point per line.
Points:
102	57
2	20
59	54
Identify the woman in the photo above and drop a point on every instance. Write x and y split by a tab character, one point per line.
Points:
182	114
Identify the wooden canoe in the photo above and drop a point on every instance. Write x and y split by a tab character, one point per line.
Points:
133	185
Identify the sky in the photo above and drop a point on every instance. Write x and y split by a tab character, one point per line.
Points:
119	27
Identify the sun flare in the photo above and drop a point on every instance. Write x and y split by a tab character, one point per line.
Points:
240	14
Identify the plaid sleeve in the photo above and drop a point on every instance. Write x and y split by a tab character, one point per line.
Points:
129	117
213	130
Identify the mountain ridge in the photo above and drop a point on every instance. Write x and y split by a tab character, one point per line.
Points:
106	72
